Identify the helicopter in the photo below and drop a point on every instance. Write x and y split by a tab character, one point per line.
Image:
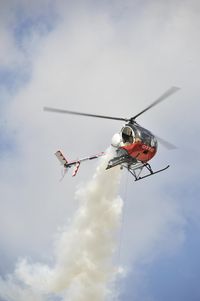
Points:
135	145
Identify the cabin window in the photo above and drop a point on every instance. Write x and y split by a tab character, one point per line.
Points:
153	141
147	138
127	135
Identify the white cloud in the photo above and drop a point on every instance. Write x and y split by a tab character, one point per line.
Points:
107	61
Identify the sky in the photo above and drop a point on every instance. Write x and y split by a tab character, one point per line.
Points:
112	58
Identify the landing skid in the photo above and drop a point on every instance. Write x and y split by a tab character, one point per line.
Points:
137	174
134	166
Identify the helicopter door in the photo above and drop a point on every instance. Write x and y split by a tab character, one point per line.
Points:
127	135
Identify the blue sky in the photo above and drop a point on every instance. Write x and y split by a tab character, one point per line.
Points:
172	277
110	58
20	25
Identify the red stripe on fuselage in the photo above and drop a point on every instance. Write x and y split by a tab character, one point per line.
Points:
140	151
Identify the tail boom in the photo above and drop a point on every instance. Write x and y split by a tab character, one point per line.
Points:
76	163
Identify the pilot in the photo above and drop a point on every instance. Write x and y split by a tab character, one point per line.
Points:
127	136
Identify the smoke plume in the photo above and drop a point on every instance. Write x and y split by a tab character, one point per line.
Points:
83	269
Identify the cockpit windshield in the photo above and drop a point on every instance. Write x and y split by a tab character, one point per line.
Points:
127	135
132	133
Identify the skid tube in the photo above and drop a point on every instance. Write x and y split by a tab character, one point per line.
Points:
148	166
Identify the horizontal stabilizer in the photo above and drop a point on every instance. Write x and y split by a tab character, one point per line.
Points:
76	169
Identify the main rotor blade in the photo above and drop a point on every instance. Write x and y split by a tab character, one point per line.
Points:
55	110
166	144
168	93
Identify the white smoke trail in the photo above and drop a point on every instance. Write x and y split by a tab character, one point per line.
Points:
83	264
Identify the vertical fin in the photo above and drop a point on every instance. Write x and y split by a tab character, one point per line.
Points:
61	158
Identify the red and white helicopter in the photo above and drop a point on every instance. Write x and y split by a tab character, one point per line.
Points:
135	146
